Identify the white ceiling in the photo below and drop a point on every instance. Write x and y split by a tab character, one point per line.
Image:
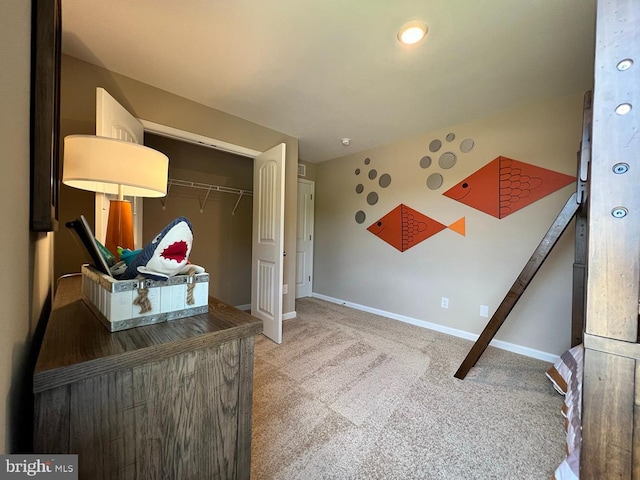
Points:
321	70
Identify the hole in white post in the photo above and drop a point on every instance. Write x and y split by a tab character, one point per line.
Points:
623	108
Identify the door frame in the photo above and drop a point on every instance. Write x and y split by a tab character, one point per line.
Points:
185	136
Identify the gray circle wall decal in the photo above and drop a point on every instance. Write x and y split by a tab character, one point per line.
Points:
385	180
466	145
367	189
434	181
447	160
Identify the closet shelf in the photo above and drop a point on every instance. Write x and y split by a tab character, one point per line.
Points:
172	182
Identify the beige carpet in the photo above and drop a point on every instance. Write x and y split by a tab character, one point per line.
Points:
351	395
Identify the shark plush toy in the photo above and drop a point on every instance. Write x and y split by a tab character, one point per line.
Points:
165	256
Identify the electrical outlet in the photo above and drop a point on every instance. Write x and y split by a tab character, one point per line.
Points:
285	289
484	311
445	302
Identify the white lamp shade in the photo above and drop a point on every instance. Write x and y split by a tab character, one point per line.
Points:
101	164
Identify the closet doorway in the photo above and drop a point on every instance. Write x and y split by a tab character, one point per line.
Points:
213	189
267	238
266	252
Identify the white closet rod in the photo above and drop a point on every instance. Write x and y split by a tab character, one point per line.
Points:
206	186
209	188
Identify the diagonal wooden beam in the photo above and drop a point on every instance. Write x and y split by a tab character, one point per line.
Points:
517	289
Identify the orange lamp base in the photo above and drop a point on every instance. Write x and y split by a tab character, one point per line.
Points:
119	227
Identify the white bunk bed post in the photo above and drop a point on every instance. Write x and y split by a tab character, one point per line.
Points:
610	427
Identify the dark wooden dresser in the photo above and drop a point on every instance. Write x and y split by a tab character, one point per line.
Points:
166	401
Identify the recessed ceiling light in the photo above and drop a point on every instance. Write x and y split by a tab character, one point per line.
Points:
412	32
346	142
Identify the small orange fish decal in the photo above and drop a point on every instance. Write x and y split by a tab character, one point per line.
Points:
505	185
403	227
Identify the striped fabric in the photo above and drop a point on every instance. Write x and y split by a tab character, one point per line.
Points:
566	377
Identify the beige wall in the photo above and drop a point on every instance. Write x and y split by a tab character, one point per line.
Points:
79	81
26	283
352	264
221	237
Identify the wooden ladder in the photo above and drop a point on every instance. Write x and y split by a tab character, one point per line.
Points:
517	289
575	205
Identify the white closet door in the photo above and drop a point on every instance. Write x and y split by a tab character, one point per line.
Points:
268	240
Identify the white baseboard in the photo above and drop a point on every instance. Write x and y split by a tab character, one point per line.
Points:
511	347
285	316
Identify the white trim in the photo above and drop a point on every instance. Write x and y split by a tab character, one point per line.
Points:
183	135
511	347
289	315
245	307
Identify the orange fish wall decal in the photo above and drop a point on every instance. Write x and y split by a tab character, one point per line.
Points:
505	185
404	227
